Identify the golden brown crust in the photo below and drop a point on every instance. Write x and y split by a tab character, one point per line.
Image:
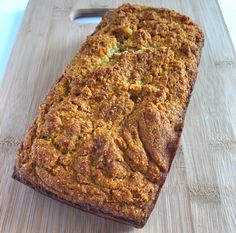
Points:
108	130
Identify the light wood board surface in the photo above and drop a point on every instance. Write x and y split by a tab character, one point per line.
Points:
200	192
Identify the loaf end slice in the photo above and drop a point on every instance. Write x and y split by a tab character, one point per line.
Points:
86	208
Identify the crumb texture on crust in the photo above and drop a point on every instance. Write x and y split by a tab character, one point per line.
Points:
107	131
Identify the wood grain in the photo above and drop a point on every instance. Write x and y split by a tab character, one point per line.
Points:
200	192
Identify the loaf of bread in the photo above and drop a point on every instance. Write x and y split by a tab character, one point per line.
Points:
108	130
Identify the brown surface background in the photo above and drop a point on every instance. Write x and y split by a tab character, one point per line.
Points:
200	192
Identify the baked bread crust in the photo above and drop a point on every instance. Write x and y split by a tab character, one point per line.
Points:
108	130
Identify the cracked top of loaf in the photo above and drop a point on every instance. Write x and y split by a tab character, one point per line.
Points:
107	131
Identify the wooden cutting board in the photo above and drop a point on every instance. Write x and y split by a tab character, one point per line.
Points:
200	192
